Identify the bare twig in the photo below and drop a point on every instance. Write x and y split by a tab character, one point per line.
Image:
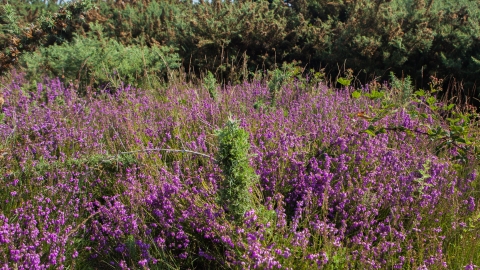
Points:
80	225
167	150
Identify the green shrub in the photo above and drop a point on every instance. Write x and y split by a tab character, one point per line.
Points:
235	38
236	189
98	61
24	31
420	38
210	83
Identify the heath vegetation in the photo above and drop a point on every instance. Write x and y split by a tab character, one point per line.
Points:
237	135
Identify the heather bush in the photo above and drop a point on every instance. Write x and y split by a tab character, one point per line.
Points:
165	180
372	176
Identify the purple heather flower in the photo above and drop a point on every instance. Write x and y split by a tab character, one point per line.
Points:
471	204
207	256
315	171
143	263
470	266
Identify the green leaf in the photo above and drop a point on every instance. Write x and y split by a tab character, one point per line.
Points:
431	101
453	120
376	119
380	131
344	81
400	128
356	94
370	132
420	93
410	133
386	105
374	95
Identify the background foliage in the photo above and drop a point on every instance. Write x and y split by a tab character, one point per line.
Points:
94	60
234	38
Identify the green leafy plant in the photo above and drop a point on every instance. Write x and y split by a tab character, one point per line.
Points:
11	19
94	60
237	38
450	131
239	177
284	76
424	175
344	81
210	83
403	88
50	28
357	94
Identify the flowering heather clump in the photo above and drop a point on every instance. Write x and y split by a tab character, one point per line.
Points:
132	180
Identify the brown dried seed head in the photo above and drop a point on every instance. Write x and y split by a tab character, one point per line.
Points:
29	33
15	41
14	51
